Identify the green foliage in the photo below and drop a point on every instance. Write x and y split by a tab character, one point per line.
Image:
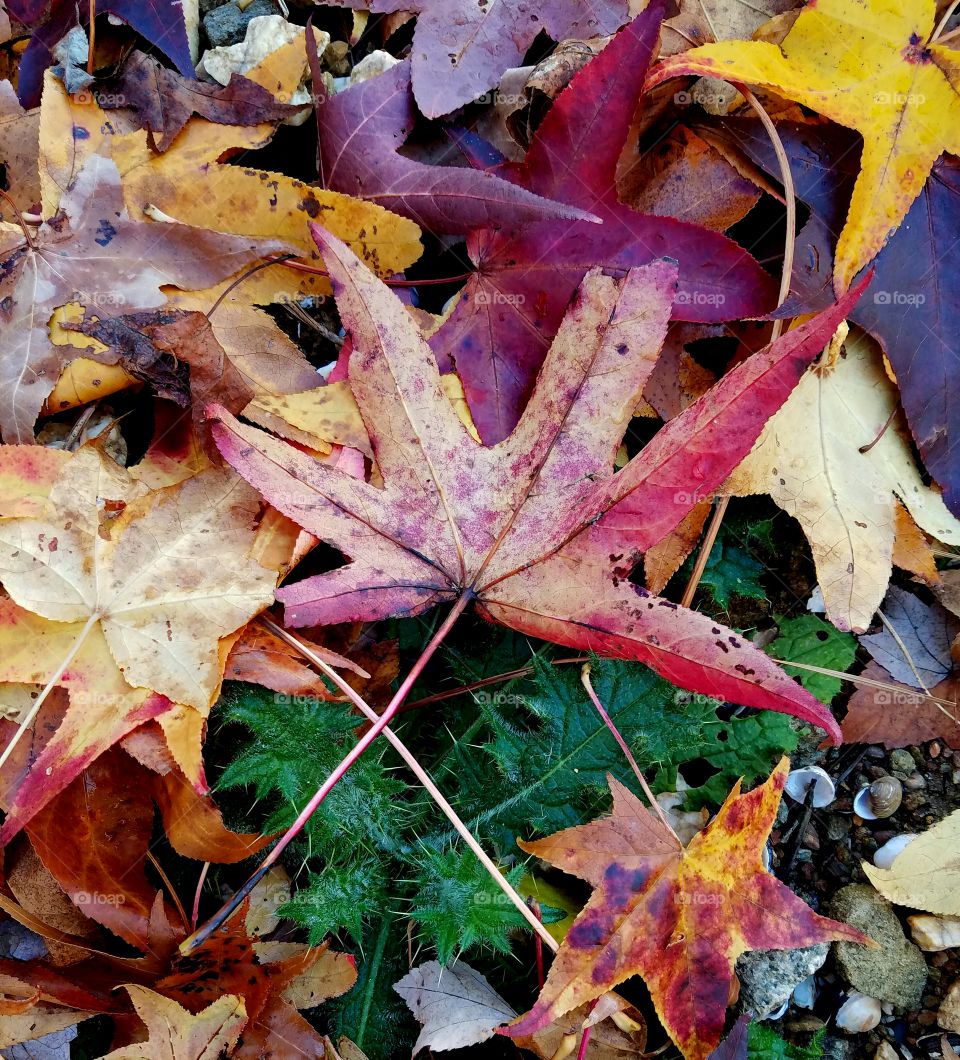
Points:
765	1044
297	742
348	895
744	747
371	1014
458	906
809	639
553	751
730	571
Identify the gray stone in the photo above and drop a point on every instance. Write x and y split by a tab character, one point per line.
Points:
207	6
895	970
228	24
768	977
902	761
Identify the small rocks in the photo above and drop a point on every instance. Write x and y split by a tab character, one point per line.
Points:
768	977
227	24
885	1051
901	761
948	1015
934	933
895	971
859	1013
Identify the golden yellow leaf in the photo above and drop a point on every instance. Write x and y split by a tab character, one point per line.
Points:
870	65
176	1034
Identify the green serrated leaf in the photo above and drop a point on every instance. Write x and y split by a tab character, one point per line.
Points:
743	747
346	896
297	742
553	751
763	1043
809	639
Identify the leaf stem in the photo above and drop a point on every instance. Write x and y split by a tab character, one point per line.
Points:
27	235
627	753
27	720
423	776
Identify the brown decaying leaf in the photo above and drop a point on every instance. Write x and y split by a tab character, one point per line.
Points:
19	150
93	251
165	100
900	716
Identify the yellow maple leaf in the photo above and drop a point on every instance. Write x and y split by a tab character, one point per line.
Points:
176	1034
873	66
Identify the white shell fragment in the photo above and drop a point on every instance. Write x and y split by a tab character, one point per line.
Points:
859	1013
935	933
885	855
805	992
799	781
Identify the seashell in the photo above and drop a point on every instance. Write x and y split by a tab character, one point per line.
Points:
885	856
779	1011
805	992
859	1013
880	799
799	781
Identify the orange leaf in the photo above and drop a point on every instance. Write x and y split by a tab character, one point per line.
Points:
678	917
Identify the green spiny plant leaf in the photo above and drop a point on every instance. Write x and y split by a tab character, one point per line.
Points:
765	1044
297	741
458	906
342	896
553	750
372	1015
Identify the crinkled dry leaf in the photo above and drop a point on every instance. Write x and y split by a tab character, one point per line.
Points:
926	873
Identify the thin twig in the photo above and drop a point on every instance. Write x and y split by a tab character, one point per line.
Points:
231	906
509	675
903	648
245	276
27	234
883	430
420	773
151	857
627	753
196	898
93	36
706	548
942	24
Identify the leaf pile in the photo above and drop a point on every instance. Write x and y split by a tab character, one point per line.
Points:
397	366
